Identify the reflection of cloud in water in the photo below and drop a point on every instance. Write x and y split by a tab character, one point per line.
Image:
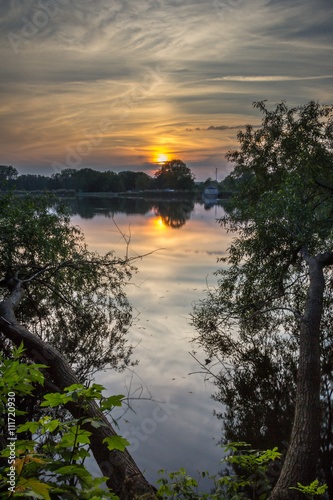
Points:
169	281
207	252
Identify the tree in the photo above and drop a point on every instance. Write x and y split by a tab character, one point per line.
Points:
281	259
128	180
7	173
54	291
64	179
257	391
174	174
143	181
88	180
111	182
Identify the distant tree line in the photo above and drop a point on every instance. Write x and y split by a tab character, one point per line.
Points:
172	175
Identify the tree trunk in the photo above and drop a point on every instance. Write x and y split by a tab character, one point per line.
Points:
125	479
302	455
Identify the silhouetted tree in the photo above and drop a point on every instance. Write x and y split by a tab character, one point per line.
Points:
282	214
7	174
174	174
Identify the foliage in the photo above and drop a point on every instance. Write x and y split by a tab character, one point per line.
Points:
74	298
7	173
311	490
281	214
253	480
174	174
50	463
282	207
257	390
89	180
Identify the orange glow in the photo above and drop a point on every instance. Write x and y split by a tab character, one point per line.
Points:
159	223
161	158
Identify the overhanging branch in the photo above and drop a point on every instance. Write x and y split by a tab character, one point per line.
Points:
125	479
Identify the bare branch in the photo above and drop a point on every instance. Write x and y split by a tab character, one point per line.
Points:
277	308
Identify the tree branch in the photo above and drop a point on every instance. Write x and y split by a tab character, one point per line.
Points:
125	479
326	259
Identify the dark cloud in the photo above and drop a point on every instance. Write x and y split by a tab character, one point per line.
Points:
220	127
223	127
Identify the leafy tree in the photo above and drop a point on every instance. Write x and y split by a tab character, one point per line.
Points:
258	389
281	259
174	174
88	180
7	173
127	180
64	179
143	181
70	297
30	182
55	292
111	182
230	182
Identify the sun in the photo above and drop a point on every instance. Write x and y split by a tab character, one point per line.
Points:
161	158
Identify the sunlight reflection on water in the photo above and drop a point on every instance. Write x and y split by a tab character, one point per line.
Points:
182	432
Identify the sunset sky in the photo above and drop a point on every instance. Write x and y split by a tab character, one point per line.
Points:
118	85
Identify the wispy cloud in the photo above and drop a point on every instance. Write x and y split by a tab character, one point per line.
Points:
274	78
71	63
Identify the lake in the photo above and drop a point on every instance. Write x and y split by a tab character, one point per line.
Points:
177	427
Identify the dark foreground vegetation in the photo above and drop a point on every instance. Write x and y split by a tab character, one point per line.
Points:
268	322
270	318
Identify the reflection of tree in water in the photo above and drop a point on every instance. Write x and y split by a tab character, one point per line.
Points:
257	390
87	208
174	213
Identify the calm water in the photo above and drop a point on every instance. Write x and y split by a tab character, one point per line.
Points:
177	428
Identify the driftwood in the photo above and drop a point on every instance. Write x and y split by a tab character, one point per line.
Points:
124	477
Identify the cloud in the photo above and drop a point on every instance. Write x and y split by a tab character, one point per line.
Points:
275	78
215	57
221	127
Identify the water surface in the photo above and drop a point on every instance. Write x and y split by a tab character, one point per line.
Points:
177	428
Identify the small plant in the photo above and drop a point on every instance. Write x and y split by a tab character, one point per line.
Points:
251	482
50	465
311	490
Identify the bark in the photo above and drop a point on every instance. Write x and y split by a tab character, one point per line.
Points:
302	455
125	478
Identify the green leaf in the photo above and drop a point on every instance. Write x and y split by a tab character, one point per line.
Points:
96	423
18	351
12	368
54	399
74	387
111	402
35	485
29	426
116	443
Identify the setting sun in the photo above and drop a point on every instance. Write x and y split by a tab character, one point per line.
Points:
161	158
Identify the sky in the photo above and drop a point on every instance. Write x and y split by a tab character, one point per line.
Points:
124	85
